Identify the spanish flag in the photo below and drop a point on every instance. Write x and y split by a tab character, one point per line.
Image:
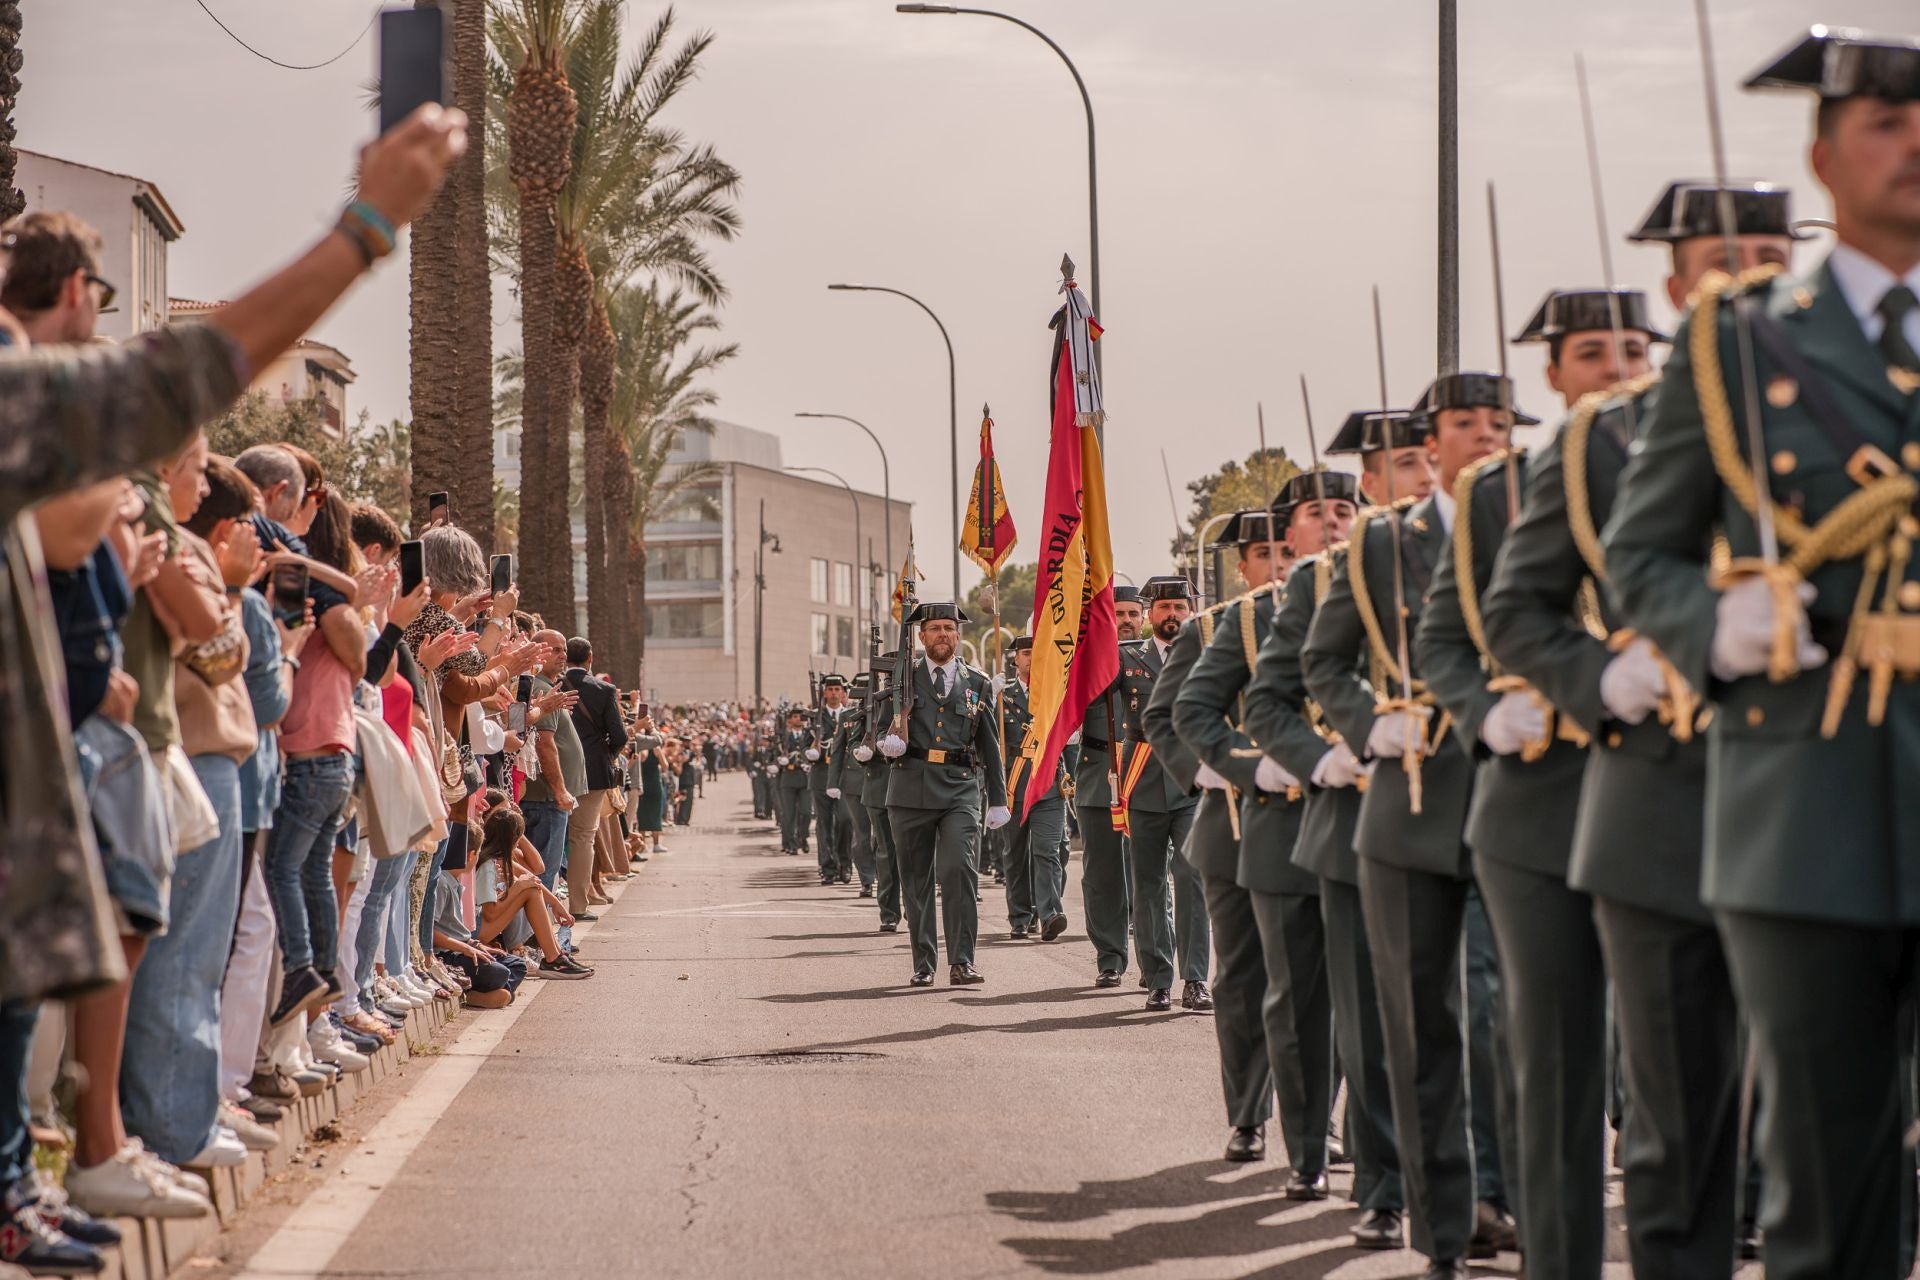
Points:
1076	649
987	535
906	591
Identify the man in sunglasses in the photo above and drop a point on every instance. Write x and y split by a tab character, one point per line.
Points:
55	287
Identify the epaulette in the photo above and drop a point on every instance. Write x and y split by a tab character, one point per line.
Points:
1378	510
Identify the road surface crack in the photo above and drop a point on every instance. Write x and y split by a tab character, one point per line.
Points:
699	1170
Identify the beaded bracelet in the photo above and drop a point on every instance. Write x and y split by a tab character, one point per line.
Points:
369	230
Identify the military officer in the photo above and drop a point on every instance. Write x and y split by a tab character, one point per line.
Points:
1105	878
1290	729
933	797
1812	863
790	782
1529	763
1637	837
877	714
760	772
1035	876
1169	905
845	774
1415	881
824	724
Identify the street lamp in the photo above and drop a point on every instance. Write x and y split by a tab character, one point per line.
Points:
767	540
858	541
953	411
1093	174
886	481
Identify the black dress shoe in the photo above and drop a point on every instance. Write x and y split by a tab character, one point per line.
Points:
1302	1186
1052	927
1019	931
964	975
1159	999
890	926
1249	1143
1106	978
1378	1230
1493	1231
1337	1151
1451	1269
1196	996
922	978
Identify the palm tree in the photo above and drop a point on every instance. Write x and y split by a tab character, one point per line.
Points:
530	39
433	354
12	199
472	285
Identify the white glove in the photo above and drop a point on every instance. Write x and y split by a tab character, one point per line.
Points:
1632	684
833	793
781	761
1209	778
998	816
999	682
772	770
1396	733
1339	768
1269	776
813	753
893	746
1743	630
863	753
1515	720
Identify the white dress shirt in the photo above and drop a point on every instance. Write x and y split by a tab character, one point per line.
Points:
1164	649
1443	507
951	667
1863	283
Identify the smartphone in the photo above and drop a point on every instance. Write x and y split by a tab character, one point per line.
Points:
439	506
502	574
290	593
641	711
413	565
525	690
517	717
413	62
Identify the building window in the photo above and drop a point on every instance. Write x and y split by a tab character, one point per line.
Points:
843	635
698	505
683	562
686	620
820	635
817	582
842	583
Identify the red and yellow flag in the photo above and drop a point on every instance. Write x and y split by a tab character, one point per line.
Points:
987	535
906	590
1076	650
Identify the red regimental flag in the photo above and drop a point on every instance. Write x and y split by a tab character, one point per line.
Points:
987	534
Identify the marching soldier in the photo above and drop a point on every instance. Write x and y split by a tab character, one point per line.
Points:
1035	876
1106	880
790	782
874	773
1291	731
835	865
845	774
1812	861
1169	905
933	797
1415	881
1637	840
760	772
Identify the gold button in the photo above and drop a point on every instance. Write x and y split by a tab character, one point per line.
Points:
1784	462
1782	391
1803	297
1910	455
1756	717
1614	739
1910	596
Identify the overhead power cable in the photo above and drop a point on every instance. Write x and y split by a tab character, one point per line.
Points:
290	66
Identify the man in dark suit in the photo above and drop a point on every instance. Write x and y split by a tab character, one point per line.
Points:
603	733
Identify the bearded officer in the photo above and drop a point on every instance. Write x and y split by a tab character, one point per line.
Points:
1035	876
1105	877
790	793
933	797
835	865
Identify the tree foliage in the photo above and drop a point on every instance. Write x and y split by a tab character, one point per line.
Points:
1016	605
1236	486
372	463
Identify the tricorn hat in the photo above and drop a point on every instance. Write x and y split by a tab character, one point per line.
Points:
1243	528
1370	430
833	680
1839	62
1689	209
1471	391
1125	591
1166	586
1309	486
1018	643
937	610
1566	311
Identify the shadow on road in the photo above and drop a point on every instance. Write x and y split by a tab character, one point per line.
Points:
1230	1231
1178	1187
1032	1026
1052	995
837	995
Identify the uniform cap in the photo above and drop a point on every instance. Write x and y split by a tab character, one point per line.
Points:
937	610
1566	311
1019	643
1307	487
1689	209
1166	586
1246	527
1471	391
1125	591
1840	62
833	680
1370	431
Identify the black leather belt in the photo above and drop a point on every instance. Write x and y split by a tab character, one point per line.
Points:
1092	744
958	756
1134	735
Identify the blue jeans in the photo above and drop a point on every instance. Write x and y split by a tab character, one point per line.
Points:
547	830
299	861
427	900
388	875
398	917
16	1044
170	1075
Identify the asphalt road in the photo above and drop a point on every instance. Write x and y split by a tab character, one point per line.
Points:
1029	1126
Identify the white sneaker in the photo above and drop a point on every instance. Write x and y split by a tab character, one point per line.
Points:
411	986
136	1183
223	1151
390	990
326	1044
172	1173
253	1135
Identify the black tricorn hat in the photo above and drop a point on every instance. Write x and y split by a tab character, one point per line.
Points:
1166	586
1018	643
1471	391
796	710
1126	591
1370	430
1566	311
833	680
937	610
1309	486
1840	62
1245	527
1689	209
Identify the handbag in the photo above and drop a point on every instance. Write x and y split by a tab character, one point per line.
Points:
224	656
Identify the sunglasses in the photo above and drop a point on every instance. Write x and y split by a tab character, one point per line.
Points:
317	494
107	293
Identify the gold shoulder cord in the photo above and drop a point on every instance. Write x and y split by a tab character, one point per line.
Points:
1380	654
1463	552
1323	574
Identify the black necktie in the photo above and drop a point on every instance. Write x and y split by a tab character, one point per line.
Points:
940	682
1893	310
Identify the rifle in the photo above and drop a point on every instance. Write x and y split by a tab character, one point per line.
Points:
903	660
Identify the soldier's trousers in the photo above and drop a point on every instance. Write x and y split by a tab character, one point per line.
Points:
859	833
1363	1051
935	846
762	792
1490	1084
826	822
1169	902
1106	888
1036	878
1554	990
1415	923
1680	1059
1239	991
886	866
1298	1013
794	806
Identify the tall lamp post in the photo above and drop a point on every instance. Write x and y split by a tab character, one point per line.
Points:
953	411
858	541
886	479
760	597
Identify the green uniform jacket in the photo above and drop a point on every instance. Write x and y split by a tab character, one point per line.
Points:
1211	846
1210	714
826	728
1016	714
1797	824
1157	791
1522	814
874	773
1389	831
1091	787
843	771
1278	718
1638	834
792	744
963	721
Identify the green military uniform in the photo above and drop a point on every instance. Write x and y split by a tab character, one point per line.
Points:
933	801
1035	875
1812	861
1285	723
1106	878
790	793
832	854
873	794
760	773
846	776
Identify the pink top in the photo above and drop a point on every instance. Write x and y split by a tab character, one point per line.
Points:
396	708
320	717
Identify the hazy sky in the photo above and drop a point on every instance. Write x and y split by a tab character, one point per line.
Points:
1261	164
